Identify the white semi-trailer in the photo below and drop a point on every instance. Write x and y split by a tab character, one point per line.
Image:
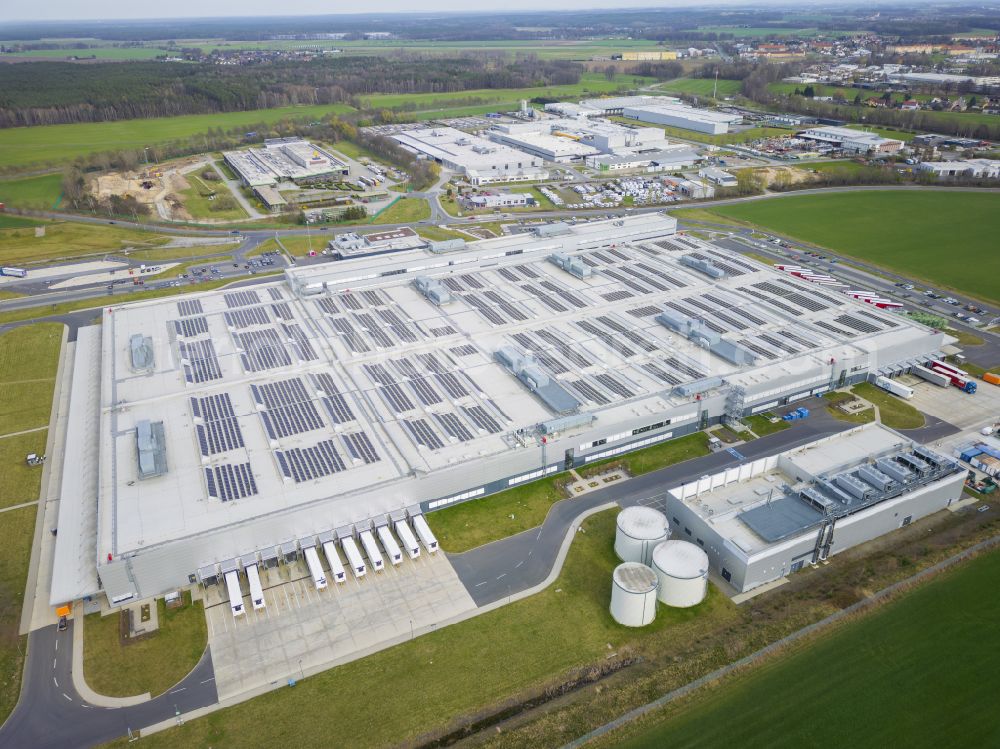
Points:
256	591
407	538
371	550
896	388
333	559
424	532
353	557
235	593
389	544
315	568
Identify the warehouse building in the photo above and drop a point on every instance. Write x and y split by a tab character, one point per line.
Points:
614	106
537	141
284	159
668	160
971	168
253	423
481	161
768	518
683	116
852	141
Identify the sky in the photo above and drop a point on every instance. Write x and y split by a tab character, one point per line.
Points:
101	9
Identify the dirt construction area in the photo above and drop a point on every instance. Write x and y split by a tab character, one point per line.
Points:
159	186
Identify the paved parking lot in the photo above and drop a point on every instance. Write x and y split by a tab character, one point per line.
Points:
303	630
952	405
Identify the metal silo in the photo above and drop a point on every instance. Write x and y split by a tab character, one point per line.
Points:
633	594
640	529
682	569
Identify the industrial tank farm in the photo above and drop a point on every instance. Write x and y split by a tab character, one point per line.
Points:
682	569
639	530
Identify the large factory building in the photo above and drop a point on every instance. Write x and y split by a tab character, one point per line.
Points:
236	426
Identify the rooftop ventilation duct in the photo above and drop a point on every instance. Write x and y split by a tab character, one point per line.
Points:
435	291
151	448
700	334
141	352
895	470
557	229
572	265
526	369
704	266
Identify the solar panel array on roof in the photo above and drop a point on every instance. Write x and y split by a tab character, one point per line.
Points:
452	426
505	306
201	363
244	318
422	433
617	296
612	384
262	349
349	335
241	298
562	348
443	331
328	306
482	419
275	293
360	447
220	431
857	324
301	346
463	350
228	482
333	400
282	310
307	463
397	325
390	391
290	410
374	330
647	311
191	327
589	392
189	307
349	301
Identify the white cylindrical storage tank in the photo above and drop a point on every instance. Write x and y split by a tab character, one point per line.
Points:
633	594
682	569
640	529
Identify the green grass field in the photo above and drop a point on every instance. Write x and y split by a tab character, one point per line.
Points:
149	665
470	524
591	84
57	144
921	672
893	412
196	200
40	193
100	53
700	86
29	357
403	211
66	240
947	239
762	426
461	668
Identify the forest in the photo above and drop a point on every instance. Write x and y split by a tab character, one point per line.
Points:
49	93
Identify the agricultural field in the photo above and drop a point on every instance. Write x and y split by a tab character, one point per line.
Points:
28	360
64	240
100	53
42	193
58	144
403	211
946	238
920	672
591	84
700	86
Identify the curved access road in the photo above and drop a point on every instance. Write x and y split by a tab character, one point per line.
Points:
51	714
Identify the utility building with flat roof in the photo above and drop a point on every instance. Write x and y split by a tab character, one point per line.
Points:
293	410
482	161
767	518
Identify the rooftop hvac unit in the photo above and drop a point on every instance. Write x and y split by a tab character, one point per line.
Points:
852	485
896	470
875	477
813	498
915	464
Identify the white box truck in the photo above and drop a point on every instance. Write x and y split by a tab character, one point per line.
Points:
389	544
315	568
333	559
371	550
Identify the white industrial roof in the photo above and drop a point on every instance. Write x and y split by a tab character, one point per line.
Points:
680	559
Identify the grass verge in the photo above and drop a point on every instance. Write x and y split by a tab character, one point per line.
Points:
894	412
20	482
761	424
152	664
28	359
65	240
470	524
835	398
654	457
403	211
17	528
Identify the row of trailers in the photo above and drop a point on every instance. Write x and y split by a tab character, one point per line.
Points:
377	545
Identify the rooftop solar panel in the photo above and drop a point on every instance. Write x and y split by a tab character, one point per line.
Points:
262	349
244	318
360	447
422	434
241	298
453	427
189	307
479	416
333	400
201	363
228	482
308	463
191	327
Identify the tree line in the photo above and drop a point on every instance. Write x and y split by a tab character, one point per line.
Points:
48	93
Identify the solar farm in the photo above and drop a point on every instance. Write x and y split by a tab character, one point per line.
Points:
355	390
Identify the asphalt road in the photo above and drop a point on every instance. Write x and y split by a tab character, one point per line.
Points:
52	715
499	569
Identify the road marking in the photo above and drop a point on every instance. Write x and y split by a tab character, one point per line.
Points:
503	575
482	583
55	681
518	564
67	697
736	454
175	691
57	646
53	664
208	680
